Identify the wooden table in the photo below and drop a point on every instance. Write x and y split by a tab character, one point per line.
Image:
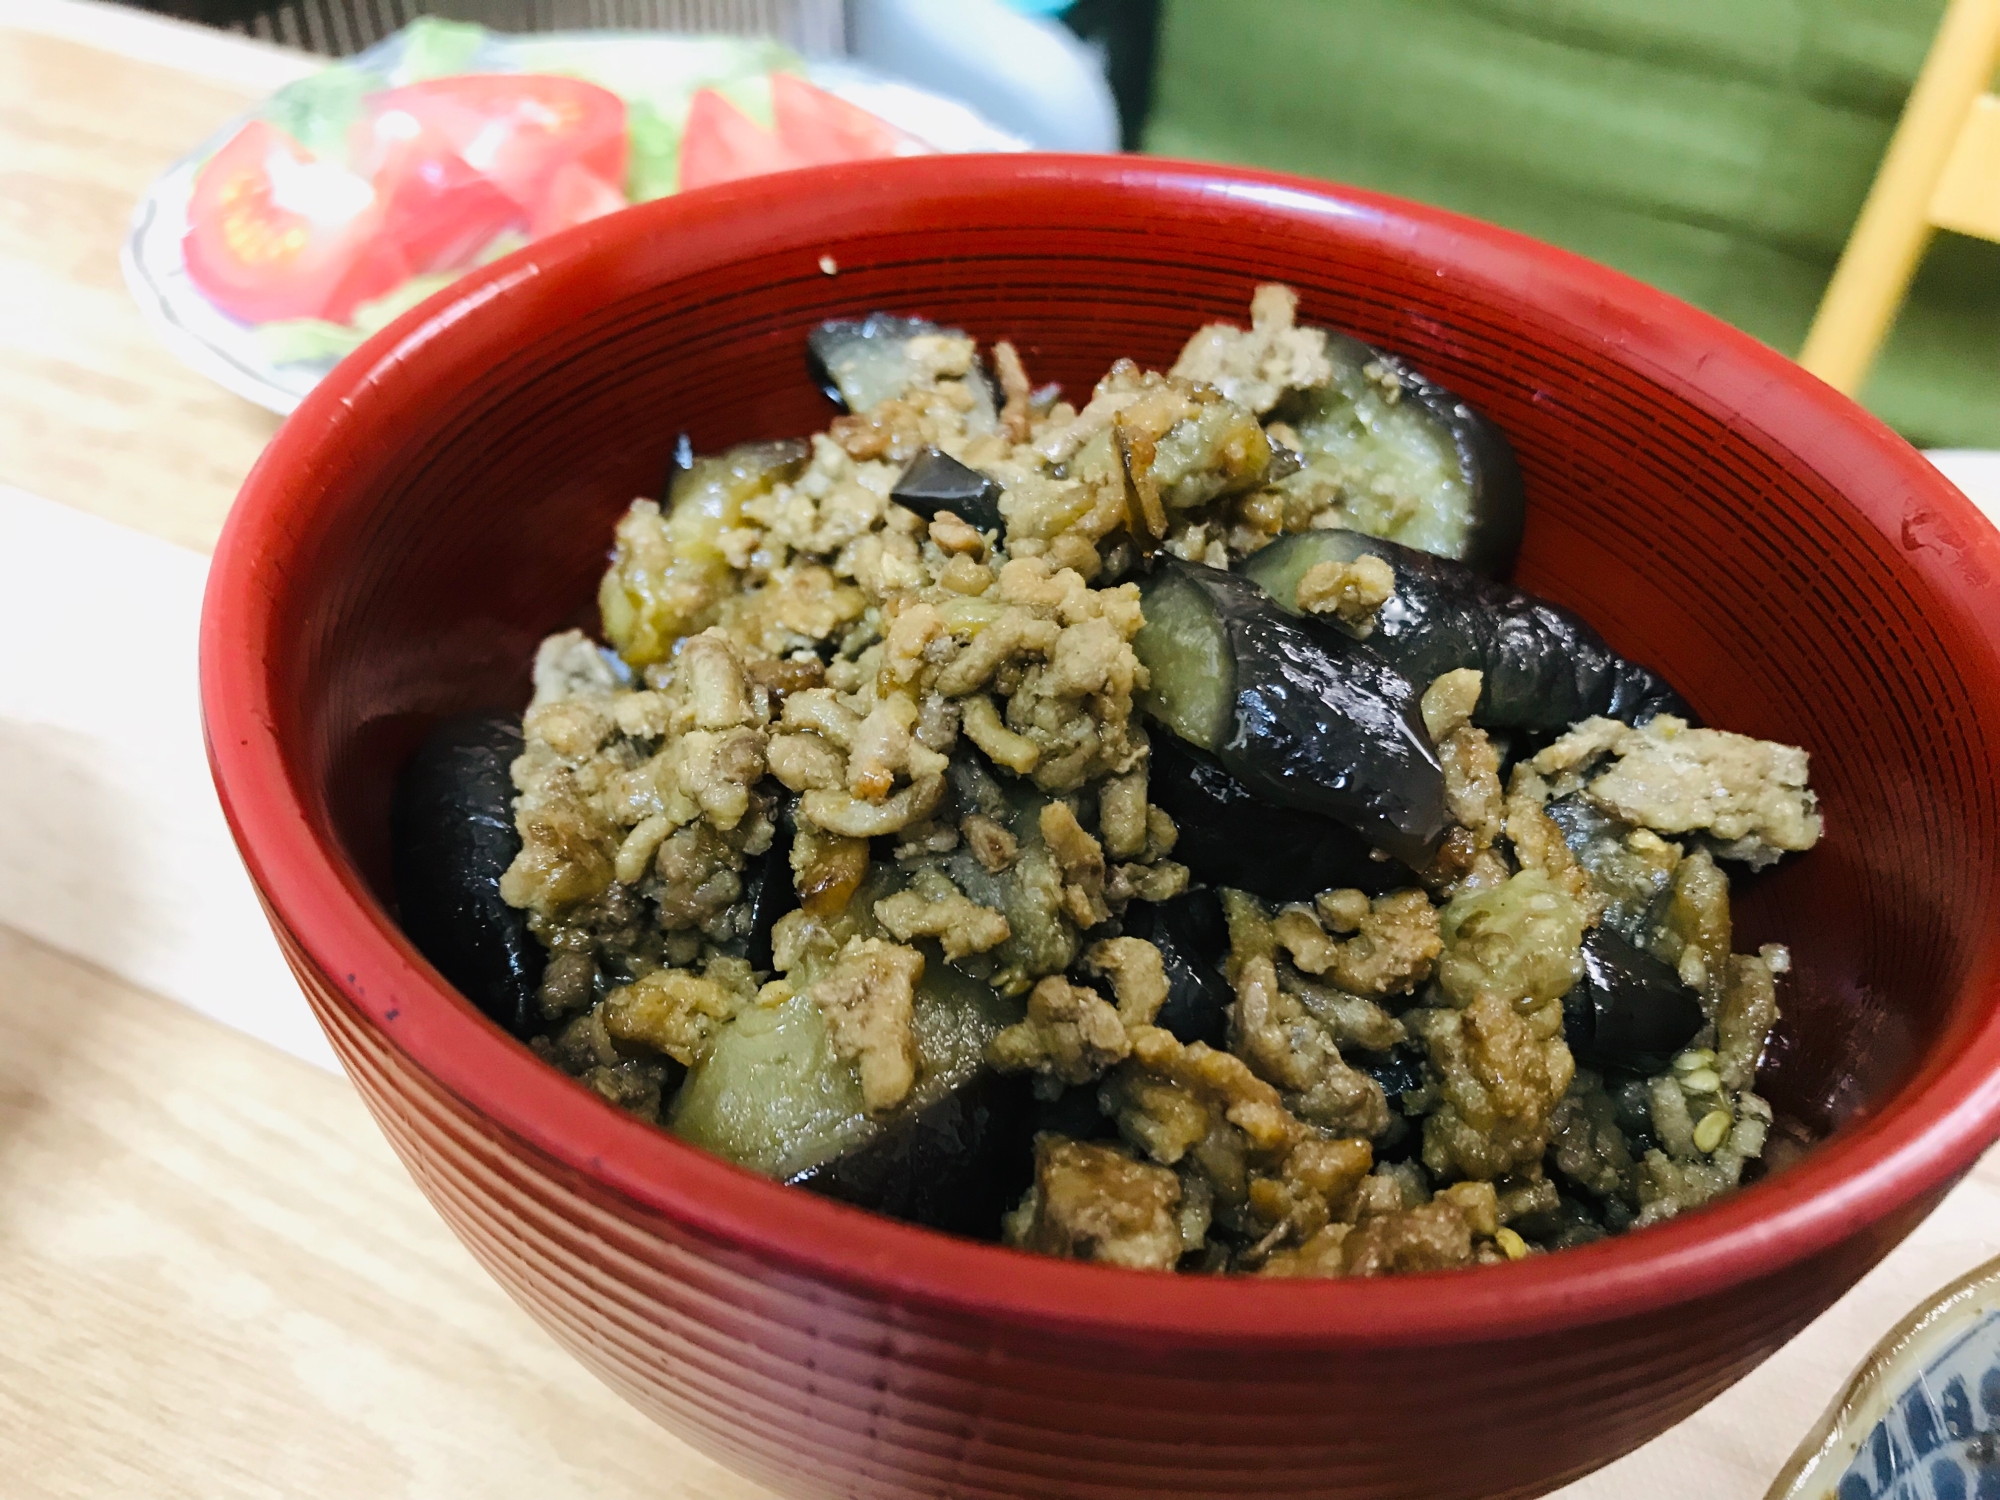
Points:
215	1279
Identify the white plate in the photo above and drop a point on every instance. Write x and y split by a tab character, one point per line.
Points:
228	352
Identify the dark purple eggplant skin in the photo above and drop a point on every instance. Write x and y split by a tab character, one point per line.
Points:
1074	1113
1193	939
1630	1011
1633	910
936	481
452	836
768	884
1229	837
1485	458
1319	722
955	1164
1545	667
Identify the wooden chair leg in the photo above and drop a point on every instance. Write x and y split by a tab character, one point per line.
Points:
1889	238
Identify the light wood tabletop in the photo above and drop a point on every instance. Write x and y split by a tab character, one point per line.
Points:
215	1279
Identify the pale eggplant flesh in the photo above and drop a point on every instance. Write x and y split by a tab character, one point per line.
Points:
862	362
1434	472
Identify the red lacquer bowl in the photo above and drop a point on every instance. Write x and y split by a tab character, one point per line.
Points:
446	497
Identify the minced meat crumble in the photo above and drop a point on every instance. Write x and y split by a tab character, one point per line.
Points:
920	739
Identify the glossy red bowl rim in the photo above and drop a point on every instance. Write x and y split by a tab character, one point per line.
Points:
1913	1145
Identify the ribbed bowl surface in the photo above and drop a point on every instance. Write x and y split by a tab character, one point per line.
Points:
447	496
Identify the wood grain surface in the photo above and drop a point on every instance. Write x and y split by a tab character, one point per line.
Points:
216	1283
94	412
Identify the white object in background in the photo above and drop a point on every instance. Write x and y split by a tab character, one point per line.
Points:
1027	75
205	338
1976	471
112	844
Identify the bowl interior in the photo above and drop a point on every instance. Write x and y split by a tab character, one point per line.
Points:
1794	569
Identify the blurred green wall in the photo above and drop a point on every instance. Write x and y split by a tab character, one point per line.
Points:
1719	149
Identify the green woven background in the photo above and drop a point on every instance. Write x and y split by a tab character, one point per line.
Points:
1718	149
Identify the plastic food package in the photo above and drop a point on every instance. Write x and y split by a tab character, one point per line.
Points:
274	249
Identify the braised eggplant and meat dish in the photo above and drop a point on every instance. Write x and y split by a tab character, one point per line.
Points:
1147	830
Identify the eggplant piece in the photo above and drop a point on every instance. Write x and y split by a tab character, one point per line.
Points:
1629	1011
669	572
1074	1113
1435	473
936	481
1306	717
862	363
452	836
1638	886
1228	837
1398	1070
1193	940
773	1095
955	1164
769	886
1545	667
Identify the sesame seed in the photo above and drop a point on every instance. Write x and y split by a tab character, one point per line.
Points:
1709	1133
1702	1081
1514	1247
829	266
1694	1057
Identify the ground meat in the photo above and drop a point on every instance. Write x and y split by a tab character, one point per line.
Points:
1092	1202
1749	1011
1288	1048
1539	845
566	846
1695	931
1171	1096
934	908
671	1011
1255	367
1016	412
1394	946
1435	1237
1316	1180
1351	592
992	845
571	665
1071	1034
1471	765
1589	1147
867	1000
1137	974
1121	815
1499	1074
1081	859
1750	795
854	817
